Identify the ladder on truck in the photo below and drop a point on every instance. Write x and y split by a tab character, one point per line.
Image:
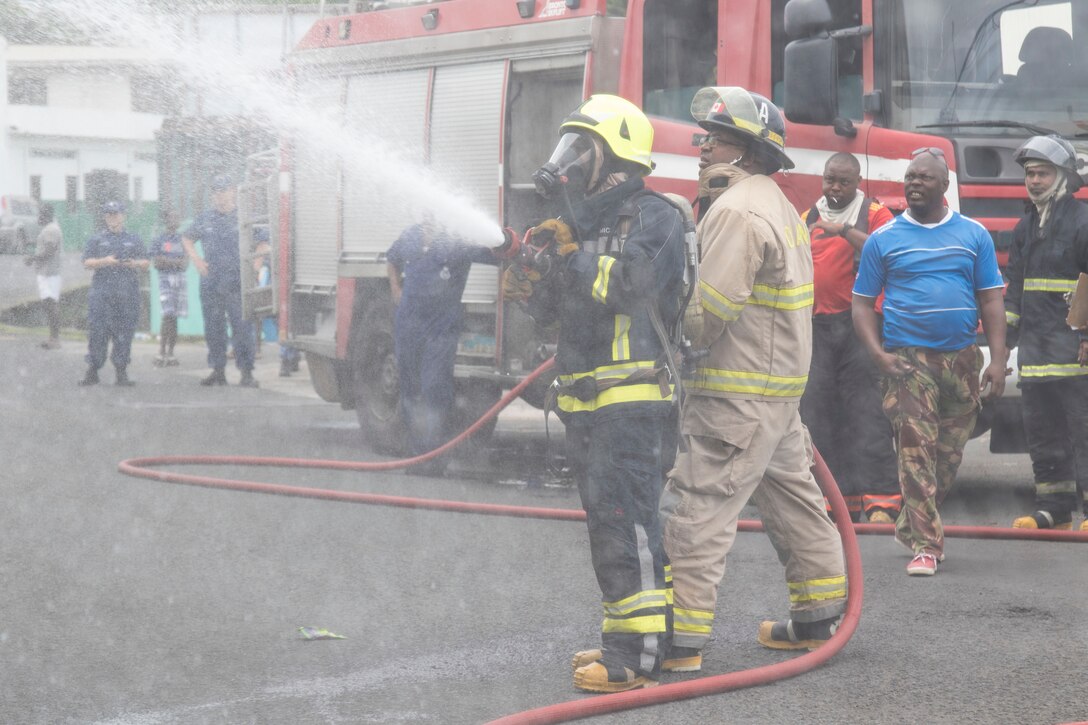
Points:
258	234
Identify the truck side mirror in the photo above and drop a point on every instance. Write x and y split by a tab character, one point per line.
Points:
811	81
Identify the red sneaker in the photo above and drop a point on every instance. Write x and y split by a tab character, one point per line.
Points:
924	564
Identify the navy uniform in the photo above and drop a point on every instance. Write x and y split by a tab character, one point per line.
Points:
432	268
221	291
114	300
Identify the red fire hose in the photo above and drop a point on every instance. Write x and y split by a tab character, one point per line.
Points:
602	704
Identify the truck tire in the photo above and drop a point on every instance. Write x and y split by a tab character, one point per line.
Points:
374	382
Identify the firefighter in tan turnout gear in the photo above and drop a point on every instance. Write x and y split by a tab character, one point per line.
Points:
741	436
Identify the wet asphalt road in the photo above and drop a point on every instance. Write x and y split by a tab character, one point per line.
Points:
136	602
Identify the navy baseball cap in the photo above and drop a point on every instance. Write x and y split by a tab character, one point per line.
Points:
221	182
113	207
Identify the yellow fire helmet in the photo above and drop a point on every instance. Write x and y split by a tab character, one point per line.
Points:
749	114
619	123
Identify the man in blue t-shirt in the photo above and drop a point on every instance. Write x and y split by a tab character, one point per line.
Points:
939	274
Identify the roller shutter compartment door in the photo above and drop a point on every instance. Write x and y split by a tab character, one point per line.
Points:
466	137
315	189
386	122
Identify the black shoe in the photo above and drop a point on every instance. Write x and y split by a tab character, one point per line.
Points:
285	369
216	378
796	635
122	379
248	381
91	378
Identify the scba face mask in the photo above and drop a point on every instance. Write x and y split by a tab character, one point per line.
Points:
575	165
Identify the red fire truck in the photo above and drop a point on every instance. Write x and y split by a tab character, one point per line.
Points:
476	89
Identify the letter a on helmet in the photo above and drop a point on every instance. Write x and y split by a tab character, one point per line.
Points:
749	114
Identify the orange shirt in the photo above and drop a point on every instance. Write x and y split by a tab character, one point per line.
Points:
833	264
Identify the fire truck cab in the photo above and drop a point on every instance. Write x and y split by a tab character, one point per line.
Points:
474	91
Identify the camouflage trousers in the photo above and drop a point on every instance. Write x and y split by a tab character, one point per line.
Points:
932	410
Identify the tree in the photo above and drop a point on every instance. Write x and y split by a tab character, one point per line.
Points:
24	24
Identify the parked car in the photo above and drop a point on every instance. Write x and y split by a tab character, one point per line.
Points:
18	224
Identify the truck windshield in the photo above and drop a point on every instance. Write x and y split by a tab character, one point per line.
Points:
975	62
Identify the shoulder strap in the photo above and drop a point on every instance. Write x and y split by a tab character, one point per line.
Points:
863	217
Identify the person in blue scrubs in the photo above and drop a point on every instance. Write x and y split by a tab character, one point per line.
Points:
428	268
117	258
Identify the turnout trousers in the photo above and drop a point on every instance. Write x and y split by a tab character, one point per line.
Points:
733	451
221	301
617	463
933	411
842	409
1056	424
111	317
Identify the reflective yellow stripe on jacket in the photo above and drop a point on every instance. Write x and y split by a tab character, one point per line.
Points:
1038	284
604	274
779	298
782	298
737	381
1053	371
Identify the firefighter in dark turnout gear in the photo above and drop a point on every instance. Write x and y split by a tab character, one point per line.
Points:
612	291
1050	249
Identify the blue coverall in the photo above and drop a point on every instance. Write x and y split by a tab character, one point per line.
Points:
426	327
113	307
221	290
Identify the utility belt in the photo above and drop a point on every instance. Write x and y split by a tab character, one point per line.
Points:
587	387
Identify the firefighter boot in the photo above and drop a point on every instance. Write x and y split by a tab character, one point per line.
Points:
683	659
248	381
122	379
218	377
90	378
796	635
599	677
1045	520
585	657
881	516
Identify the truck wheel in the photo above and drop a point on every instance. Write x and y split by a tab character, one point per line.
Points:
375	385
473	399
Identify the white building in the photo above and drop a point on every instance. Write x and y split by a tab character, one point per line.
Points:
72	110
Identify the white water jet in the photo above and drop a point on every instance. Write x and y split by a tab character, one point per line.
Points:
210	65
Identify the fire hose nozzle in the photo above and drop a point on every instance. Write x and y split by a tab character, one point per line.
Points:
510	247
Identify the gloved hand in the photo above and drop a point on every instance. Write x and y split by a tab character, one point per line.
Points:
517	283
560	235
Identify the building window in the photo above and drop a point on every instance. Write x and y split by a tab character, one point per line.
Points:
26	91
154	94
71	193
36	188
53	153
